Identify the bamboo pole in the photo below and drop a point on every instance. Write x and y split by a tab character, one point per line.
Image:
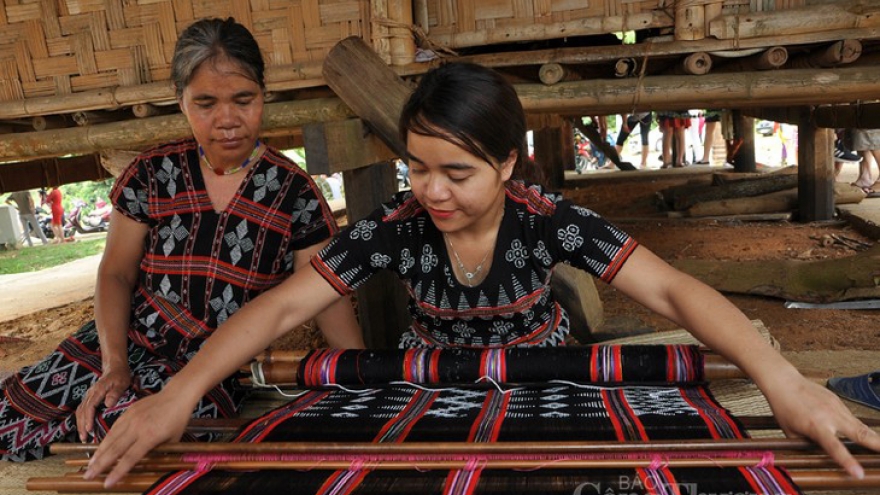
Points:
690	20
532	462
771	58
145	132
695	64
403	47
843	14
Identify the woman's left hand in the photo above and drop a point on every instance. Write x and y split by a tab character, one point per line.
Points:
804	408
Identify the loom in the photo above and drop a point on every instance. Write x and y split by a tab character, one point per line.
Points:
611	419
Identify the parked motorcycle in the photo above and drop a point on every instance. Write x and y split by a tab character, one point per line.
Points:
44	218
90	223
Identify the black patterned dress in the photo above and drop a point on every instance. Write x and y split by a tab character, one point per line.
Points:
513	305
199	267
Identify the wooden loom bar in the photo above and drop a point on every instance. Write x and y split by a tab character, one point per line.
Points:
440	448
808	480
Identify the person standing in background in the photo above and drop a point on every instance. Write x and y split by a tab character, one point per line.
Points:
27	215
53	199
643	120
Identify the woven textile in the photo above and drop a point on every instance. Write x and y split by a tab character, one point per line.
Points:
547	412
594	364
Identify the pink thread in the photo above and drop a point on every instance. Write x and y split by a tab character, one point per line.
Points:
357	465
657	462
767	460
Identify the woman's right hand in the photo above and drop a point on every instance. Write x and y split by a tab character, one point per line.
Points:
149	422
107	390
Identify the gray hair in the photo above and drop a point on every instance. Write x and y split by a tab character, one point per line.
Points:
212	39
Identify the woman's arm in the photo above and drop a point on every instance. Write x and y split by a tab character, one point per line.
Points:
801	406
337	322
163	417
117	276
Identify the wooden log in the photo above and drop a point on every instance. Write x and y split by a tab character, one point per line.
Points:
780	201
843	14
746	188
839	53
744	132
115	161
551	74
83	119
144	110
695	64
626	67
138	134
824	281
375	93
771	58
47	122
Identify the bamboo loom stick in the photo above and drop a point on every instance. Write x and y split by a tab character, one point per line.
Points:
440	448
807	480
433	463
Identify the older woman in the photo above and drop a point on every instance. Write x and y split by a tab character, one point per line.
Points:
200	227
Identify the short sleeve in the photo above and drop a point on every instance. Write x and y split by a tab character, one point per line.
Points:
311	219
130	193
587	241
359	251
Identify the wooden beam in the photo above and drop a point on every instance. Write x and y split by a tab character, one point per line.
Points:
136	134
740	90
843	14
373	91
342	145
50	172
859	116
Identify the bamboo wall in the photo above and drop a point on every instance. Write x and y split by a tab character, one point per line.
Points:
463	23
59	47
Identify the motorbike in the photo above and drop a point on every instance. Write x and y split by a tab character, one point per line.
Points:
90	223
44	218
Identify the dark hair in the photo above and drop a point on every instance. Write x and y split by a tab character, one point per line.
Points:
473	107
212	39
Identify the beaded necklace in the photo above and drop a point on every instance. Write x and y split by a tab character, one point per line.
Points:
233	170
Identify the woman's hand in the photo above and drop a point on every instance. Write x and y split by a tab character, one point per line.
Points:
107	391
149	422
804	408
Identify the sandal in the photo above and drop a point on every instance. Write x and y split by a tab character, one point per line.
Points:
858	389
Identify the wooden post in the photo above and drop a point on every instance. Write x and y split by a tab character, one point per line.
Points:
382	301
690	20
815	172
548	155
376	94
342	145
744	128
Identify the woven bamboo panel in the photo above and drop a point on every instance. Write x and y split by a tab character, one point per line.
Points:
461	23
57	47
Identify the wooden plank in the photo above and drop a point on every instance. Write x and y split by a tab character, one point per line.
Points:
743	132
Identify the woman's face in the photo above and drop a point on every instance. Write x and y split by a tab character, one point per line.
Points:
224	108
459	190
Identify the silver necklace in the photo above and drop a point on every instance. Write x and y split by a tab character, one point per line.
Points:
469	276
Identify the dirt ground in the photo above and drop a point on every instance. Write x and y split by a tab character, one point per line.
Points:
26	339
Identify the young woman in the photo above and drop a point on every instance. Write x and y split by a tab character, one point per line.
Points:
476	246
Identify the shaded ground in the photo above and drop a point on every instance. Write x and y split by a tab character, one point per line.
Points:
25	339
